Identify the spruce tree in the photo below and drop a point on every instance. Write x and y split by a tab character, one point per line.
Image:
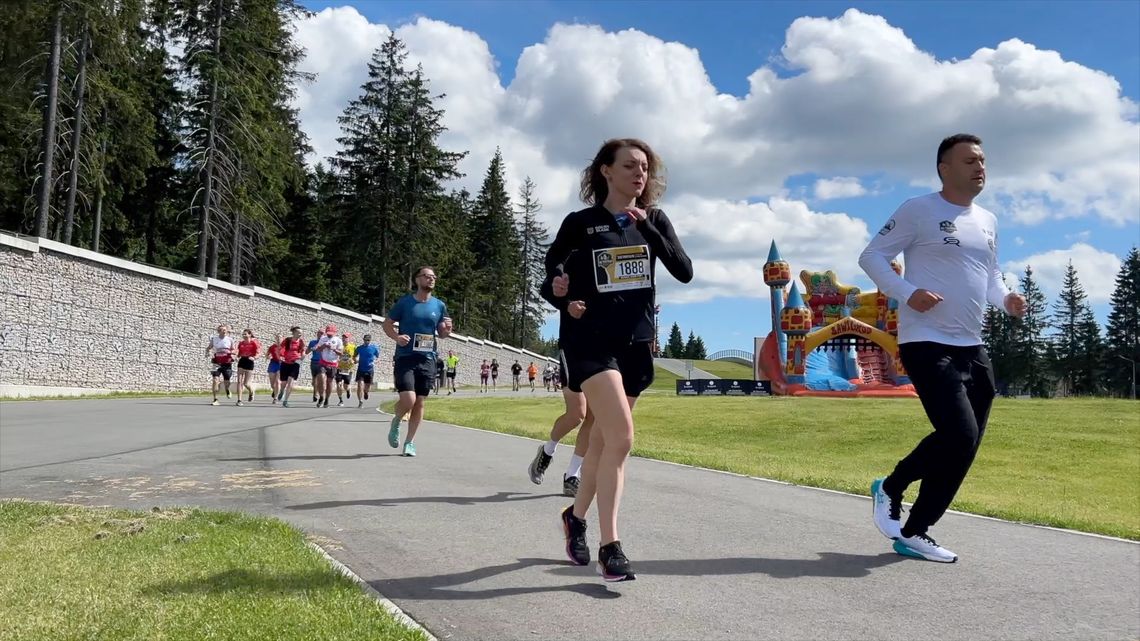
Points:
690	349
675	348
1123	331
495	246
534	237
393	172
1076	338
1028	357
997	336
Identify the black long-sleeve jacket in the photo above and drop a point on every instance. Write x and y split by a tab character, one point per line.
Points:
612	269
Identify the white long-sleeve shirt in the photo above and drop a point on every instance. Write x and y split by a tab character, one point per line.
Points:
948	249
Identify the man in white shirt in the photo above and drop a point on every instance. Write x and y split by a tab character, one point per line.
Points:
329	347
220	352
949	246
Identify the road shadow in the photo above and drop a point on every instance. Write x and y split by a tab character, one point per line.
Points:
312	457
829	564
499	497
440	587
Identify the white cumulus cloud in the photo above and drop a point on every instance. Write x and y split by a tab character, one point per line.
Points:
1061	139
1096	270
842	187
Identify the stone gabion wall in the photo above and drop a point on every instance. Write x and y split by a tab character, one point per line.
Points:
73	318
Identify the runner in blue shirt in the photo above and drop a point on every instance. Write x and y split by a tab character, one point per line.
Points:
315	366
366	355
422	318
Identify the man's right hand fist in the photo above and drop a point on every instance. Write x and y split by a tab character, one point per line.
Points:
923	300
403	339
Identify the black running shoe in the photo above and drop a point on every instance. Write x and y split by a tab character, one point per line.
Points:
569	485
348	393
574	530
612	564
538	466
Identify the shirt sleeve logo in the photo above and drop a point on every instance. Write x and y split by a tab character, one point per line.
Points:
947	227
887	228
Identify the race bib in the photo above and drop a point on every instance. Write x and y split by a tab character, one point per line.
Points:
621	268
423	343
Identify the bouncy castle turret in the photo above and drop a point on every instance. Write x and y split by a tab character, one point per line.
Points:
777	275
795	323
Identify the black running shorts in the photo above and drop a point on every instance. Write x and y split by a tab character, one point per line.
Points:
413	373
634	361
225	370
364	375
344	377
290	371
315	368
245	363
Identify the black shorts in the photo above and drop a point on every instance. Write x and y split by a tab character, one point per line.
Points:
414	374
634	361
329	371
451	374
245	363
290	371
225	370
343	377
315	368
364	376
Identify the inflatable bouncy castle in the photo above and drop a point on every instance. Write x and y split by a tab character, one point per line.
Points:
831	339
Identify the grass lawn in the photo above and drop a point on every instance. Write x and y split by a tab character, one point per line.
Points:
1065	463
69	572
725	369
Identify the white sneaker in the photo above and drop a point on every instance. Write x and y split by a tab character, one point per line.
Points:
885	511
921	546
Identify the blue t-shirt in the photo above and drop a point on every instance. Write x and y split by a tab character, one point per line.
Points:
418	321
366	355
316	356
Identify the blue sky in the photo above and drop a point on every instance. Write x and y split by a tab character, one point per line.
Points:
1050	210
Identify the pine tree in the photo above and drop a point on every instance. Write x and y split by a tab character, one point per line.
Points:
998	337
1076	339
495	246
1028	357
244	138
699	351
1123	330
25	25
675	348
690	349
534	237
393	171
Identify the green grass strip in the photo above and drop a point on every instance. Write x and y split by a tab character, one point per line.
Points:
1063	463
69	572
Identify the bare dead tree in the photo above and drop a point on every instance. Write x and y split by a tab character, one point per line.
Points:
47	146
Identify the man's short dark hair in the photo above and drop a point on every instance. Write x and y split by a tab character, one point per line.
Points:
294	328
948	144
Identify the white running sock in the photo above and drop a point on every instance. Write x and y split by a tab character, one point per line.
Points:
575	468
549	446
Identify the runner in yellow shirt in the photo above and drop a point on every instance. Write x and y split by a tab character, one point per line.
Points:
452	362
344	367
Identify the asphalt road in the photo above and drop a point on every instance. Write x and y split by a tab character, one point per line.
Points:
463	542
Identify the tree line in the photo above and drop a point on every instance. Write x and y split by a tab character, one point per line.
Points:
678	347
162	131
1061	351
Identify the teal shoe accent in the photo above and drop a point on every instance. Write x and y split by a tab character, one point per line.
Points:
904	550
394	432
409	449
